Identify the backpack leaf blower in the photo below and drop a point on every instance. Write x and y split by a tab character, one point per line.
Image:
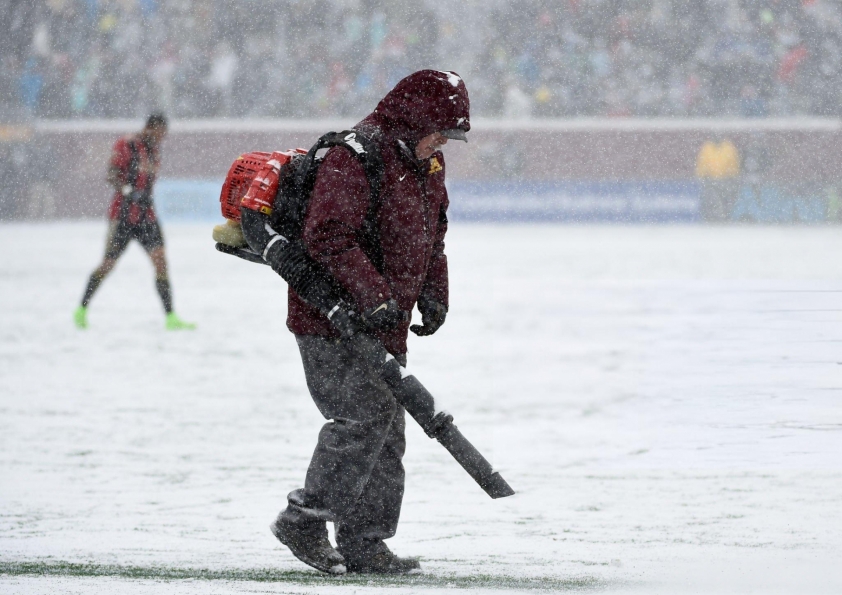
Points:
264	199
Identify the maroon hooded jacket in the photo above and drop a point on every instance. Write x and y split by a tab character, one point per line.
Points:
409	221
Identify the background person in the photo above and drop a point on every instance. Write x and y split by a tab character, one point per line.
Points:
134	166
718	168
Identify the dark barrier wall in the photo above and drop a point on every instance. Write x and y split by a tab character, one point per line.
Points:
72	156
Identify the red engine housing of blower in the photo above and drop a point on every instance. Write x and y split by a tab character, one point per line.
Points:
252	182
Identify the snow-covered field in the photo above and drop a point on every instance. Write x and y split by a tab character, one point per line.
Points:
665	401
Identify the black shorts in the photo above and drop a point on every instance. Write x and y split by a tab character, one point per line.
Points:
120	233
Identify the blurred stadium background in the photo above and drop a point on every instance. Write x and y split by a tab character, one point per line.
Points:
584	110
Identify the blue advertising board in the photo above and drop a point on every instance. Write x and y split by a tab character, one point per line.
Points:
634	202
495	201
772	204
555	201
180	200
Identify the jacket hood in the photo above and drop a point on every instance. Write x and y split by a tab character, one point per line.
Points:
424	102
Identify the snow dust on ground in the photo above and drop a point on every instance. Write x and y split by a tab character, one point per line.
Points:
665	401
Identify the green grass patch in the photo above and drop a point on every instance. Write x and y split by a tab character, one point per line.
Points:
488	581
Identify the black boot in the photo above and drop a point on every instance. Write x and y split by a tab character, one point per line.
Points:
384	562
309	543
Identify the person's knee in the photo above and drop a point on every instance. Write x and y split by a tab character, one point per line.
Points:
377	424
379	419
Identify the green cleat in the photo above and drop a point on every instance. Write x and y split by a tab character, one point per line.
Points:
80	317
174	323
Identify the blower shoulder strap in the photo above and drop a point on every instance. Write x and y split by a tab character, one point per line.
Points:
362	148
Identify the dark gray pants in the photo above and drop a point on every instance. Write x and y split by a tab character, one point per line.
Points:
355	478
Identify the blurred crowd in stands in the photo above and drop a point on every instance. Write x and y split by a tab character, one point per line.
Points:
321	58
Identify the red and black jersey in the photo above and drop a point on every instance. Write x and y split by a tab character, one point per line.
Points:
136	164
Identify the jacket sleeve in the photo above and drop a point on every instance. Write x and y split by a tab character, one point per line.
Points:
436	282
333	224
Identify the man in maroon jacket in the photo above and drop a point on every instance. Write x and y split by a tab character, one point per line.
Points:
387	257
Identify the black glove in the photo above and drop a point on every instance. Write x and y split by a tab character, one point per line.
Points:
432	315
386	316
